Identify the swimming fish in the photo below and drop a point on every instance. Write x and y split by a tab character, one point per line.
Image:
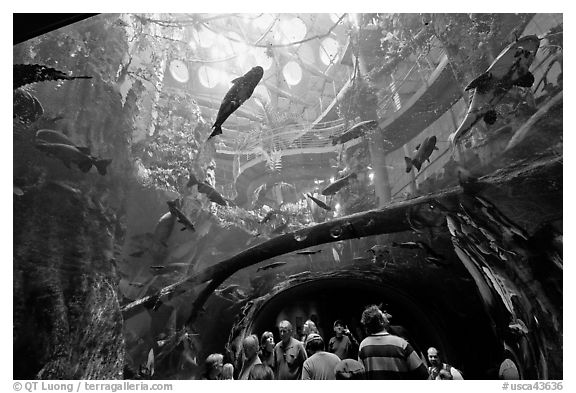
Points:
271	266
164	228
206	189
355	131
181	217
423	153
70	154
158	267
420	245
333	188
26	107
511	68
308	252
52	136
319	202
241	90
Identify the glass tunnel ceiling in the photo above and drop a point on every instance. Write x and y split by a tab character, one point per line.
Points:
295	51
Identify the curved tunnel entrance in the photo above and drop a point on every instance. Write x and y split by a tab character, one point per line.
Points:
472	346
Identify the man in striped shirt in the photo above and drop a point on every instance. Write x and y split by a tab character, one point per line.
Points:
384	355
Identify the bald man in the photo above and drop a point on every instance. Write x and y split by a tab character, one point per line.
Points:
250	349
439	370
289	354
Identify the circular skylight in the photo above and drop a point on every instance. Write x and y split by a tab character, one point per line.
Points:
179	71
292	30
292	73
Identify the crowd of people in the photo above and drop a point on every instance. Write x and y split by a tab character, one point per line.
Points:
381	355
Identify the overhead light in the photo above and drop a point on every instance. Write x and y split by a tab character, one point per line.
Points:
179	71
291	30
292	73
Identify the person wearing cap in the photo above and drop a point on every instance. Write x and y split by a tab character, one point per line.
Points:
320	364
384	355
343	344
289	354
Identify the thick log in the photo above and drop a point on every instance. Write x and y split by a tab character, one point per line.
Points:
393	218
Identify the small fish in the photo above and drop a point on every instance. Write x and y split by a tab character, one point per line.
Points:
136	284
308	252
206	189
157	267
26	107
333	188
163	229
241	90
511	68
409	245
419	245
181	217
355	131
18	191
271	266
319	202
70	154
436	260
423	153
52	136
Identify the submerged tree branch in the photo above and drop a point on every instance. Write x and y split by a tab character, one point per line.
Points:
390	219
